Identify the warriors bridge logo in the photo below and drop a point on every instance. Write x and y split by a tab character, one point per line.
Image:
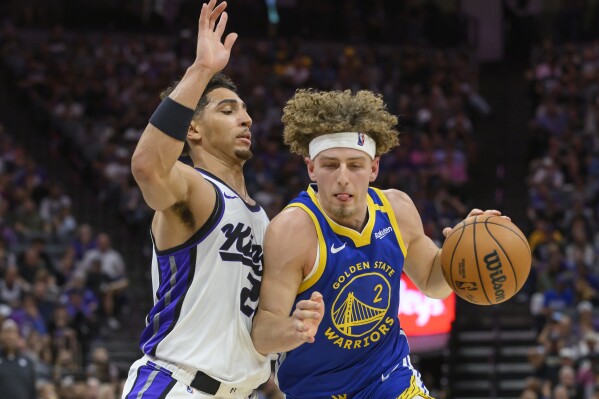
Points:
359	312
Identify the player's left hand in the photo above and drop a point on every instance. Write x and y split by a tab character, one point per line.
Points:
476	212
308	314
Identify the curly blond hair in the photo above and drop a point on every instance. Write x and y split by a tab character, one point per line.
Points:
311	113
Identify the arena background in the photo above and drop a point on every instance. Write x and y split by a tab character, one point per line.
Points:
499	109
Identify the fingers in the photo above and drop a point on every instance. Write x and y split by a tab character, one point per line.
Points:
304	332
316	296
230	40
494	212
307	317
204	20
210	14
222	23
477	212
217	13
305	314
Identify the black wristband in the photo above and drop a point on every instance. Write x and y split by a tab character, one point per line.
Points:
172	118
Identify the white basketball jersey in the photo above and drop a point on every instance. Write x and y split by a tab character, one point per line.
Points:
206	292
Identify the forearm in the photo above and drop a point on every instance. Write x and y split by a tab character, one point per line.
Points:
436	285
275	334
191	86
158	150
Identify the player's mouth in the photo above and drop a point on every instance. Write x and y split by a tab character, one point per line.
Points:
344	197
246	137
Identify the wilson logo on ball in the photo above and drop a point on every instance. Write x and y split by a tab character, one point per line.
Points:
497	278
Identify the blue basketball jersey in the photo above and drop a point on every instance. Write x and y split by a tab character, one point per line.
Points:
358	274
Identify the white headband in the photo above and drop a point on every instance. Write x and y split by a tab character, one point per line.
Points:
355	140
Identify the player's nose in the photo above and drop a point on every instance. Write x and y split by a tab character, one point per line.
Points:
246	119
342	177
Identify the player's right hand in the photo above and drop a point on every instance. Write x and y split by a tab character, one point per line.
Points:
307	316
211	53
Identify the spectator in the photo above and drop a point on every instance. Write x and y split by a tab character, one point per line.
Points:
12	287
17	374
101	367
84	241
51	205
112	261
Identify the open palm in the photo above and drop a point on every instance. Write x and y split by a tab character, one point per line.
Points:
212	53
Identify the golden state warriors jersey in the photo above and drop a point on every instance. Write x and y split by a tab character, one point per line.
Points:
358	274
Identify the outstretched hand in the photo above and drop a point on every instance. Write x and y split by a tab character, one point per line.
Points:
213	54
475	212
307	316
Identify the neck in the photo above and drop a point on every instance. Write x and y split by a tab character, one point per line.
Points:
230	173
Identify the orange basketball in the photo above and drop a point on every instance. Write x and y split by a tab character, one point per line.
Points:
486	259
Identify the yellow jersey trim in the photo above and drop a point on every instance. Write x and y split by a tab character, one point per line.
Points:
359	239
389	210
414	391
322	262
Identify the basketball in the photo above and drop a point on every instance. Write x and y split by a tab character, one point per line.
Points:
486	259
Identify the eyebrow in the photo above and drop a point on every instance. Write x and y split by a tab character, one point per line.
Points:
231	101
360	158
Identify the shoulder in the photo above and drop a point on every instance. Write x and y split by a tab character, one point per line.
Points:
291	241
292	221
291	231
399	200
406	214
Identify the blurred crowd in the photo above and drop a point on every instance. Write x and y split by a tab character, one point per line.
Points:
101	89
61	286
563	206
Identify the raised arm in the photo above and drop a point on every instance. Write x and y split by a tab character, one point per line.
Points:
162	179
289	250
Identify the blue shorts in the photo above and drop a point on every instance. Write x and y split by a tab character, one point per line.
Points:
401	381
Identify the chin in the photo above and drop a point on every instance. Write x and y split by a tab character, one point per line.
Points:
244	155
343	213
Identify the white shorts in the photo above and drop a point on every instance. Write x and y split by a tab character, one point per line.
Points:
154	379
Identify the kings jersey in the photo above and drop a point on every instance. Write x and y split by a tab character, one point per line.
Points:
358	274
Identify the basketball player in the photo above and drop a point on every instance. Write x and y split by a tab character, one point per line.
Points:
207	235
339	249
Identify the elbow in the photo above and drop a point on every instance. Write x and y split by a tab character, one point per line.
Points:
258	346
261	349
141	167
258	343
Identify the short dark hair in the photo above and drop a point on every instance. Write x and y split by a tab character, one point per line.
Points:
220	80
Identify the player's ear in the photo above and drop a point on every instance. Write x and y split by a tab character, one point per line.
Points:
374	168
193	132
310	166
